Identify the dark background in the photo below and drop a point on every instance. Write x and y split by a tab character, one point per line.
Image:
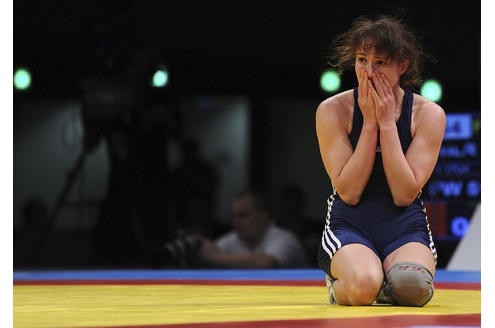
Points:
263	51
255	47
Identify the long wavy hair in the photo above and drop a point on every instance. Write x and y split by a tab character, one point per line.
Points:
387	35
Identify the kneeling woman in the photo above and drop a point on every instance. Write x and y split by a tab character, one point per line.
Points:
379	143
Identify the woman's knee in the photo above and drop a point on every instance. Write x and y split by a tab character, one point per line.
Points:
363	287
411	284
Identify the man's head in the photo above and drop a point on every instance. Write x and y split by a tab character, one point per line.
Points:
250	217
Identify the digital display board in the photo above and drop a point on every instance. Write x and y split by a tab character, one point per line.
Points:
454	189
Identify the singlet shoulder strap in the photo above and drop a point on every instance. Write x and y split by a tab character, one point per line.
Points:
404	122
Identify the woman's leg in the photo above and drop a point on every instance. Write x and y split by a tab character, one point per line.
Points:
411	252
409	273
358	275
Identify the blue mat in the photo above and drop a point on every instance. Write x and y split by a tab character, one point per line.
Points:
275	274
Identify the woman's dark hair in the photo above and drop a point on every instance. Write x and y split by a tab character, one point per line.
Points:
387	35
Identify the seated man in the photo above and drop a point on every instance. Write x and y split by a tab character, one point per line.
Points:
255	242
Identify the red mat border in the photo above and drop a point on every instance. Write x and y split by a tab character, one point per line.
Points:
396	321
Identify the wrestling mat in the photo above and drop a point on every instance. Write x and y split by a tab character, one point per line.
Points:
225	298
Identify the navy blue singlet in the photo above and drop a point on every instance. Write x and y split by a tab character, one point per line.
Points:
375	221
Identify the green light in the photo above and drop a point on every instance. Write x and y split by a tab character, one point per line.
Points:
477	126
160	78
432	90
22	79
330	81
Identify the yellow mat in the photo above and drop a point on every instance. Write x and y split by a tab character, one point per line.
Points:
113	305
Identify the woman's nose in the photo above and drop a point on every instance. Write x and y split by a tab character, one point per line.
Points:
370	68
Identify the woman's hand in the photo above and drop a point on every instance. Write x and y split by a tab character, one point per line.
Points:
383	99
365	99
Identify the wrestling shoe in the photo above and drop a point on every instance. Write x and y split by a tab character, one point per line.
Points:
331	296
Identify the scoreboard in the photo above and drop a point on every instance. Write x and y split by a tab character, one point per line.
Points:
454	189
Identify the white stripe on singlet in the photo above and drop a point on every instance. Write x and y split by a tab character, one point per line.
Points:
432	244
329	241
